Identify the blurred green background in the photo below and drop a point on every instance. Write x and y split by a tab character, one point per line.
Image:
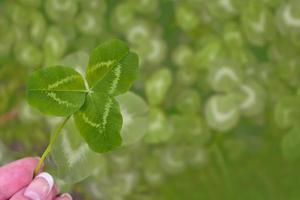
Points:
215	113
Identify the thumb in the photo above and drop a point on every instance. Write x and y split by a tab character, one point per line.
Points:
15	176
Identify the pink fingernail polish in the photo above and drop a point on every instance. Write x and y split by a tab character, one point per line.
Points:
32	195
48	178
40	187
67	196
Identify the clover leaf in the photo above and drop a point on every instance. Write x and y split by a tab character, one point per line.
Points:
62	91
73	159
57	90
110	72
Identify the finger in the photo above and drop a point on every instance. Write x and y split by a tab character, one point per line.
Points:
53	193
40	188
64	197
15	176
19	196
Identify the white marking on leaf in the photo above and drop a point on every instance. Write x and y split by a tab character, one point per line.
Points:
231	36
107	107
89	122
62	81
127	118
73	156
106	113
156	125
61	5
289	19
153	176
259	26
220	116
59	100
90	23
251	96
117	73
226	4
286	116
173	162
53	43
138	31
97	66
26	55
223	72
78	155
156	50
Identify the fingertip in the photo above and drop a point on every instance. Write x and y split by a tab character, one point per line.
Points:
54	192
40	187
64	196
46	176
28	163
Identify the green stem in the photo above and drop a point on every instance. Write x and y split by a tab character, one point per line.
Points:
49	147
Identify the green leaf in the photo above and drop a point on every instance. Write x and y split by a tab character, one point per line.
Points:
158	85
186	18
222	112
287	112
224	77
78	60
54	46
56	91
191	128
90	23
103	59
188	101
257	23
28	54
38	27
291	144
100	122
158	130
253	98
73	159
61	11
134	111
111	71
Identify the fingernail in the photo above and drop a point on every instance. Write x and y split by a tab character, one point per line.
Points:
66	196
40	187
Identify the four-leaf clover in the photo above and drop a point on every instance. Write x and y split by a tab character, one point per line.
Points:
62	91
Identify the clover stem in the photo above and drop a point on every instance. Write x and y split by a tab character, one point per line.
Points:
49	147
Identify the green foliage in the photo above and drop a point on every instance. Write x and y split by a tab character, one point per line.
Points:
224	78
61	91
287	112
134	112
158	130
222	113
73	159
61	11
200	60
157	86
110	72
290	144
58	90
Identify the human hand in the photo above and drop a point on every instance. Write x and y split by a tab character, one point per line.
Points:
17	183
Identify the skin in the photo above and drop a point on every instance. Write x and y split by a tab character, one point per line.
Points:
17	182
